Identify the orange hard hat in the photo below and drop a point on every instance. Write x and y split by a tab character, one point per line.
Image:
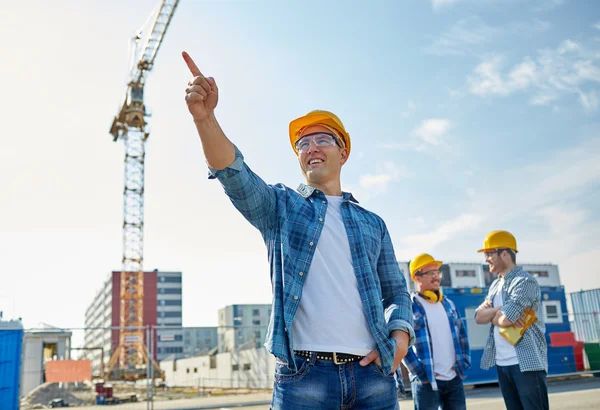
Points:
318	117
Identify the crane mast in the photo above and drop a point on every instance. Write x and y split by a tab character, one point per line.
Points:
130	358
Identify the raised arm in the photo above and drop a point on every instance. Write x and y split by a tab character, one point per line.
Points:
255	200
202	96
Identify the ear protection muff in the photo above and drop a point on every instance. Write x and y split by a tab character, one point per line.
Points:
432	296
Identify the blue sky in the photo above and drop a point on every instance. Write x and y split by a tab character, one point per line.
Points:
465	116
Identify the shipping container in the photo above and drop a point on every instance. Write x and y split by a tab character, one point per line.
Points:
561	360
11	340
586	315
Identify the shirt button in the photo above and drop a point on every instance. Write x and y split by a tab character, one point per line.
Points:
301	274
311	244
295	297
320	219
324	201
285	328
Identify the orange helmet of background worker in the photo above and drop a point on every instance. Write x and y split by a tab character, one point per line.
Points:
319	117
499	240
420	261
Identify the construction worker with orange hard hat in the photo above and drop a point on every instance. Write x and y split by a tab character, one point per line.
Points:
341	320
440	357
516	344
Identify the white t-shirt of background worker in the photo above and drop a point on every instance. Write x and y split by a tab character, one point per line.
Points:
506	355
442	344
331	316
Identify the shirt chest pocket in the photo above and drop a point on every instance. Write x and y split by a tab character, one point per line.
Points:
371	239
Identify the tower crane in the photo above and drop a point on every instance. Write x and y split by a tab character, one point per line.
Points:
129	360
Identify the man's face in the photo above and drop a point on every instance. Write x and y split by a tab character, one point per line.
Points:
429	277
321	164
495	262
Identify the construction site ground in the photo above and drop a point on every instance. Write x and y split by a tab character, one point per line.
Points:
566	393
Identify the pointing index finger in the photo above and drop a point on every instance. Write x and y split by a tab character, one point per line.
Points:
191	65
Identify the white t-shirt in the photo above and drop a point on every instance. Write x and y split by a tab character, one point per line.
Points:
442	344
331	316
506	355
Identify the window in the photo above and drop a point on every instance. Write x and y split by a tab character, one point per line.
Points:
170	291
446	279
488	276
255	312
235	367
552	311
466	274
195	370
170	314
213	362
477	334
539	274
246	366
170	279
256	322
237	321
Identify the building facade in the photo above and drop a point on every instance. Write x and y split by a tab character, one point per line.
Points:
470	275
199	340
162	309
242	326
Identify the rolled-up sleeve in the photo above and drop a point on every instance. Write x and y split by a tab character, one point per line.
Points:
523	293
396	300
250	195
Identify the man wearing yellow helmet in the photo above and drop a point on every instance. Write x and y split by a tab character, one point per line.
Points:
440	357
521	362
341	320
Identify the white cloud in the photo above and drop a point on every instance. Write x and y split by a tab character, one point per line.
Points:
561	178
432	131
589	100
465	222
564	70
597	26
468	35
438	4
378	182
411	107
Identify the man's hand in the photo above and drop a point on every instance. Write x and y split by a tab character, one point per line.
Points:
202	94
402	339
501	320
520	322
486	304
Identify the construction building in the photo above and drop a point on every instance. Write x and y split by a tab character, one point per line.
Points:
199	340
470	275
162	309
242	326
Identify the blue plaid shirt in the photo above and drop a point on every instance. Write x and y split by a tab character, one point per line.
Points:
520	290
290	223
419	359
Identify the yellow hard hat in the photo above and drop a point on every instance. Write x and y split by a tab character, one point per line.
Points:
421	260
499	240
318	117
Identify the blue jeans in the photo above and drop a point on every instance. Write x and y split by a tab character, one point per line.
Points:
323	385
449	396
523	390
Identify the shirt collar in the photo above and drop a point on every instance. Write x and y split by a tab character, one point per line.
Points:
306	191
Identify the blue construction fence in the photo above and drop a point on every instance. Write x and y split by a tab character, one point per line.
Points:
11	341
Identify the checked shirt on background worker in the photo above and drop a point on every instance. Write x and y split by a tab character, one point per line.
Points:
440	356
516	344
341	320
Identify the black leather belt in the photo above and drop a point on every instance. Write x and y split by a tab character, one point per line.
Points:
337	358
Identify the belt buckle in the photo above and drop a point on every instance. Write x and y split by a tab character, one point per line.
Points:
335	359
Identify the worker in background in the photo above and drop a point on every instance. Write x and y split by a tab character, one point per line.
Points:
440	356
522	367
341	320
